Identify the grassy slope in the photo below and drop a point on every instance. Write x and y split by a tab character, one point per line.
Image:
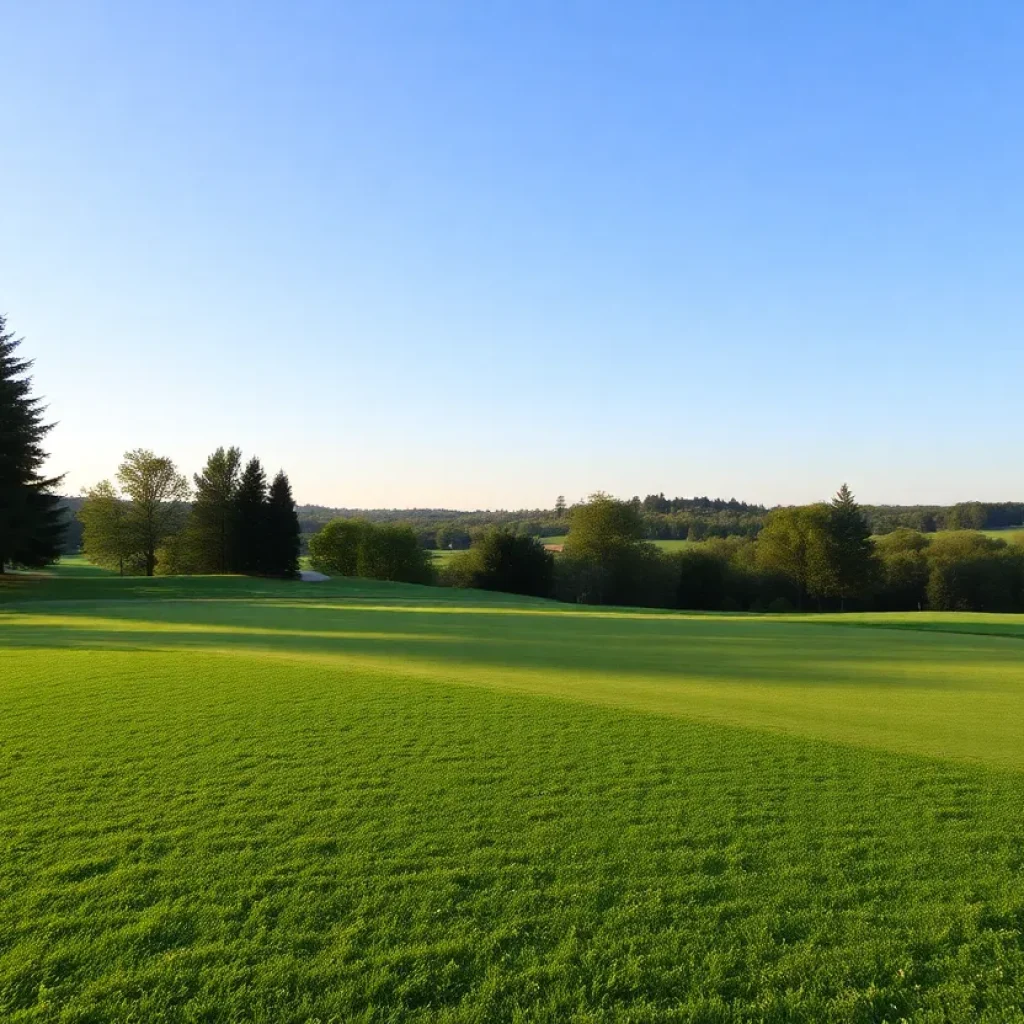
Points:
281	802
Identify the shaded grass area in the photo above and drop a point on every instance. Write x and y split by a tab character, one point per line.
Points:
73	583
288	805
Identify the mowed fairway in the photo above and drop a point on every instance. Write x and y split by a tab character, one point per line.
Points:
227	800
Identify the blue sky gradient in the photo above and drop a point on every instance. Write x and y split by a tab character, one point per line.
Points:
479	255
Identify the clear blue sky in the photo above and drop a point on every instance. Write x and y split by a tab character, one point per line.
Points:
480	254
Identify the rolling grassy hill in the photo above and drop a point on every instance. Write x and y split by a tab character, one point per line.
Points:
225	799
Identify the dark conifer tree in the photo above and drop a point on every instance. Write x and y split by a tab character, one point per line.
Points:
282	547
849	551
212	528
251	514
32	520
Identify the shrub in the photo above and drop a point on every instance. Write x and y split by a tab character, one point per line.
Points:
334	550
354	547
703	580
509	562
972	572
392	553
902	578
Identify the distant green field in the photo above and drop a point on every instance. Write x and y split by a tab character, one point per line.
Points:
245	800
442	556
1006	534
672	545
667	545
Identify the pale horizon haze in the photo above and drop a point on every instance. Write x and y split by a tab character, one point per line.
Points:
479	255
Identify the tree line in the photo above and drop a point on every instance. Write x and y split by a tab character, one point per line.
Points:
686	518
968	515
661	518
152	521
230	520
438	528
813	558
500	558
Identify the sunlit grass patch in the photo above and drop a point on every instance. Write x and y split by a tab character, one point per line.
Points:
271	803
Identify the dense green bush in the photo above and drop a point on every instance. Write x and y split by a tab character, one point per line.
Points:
635	574
335	549
972	572
354	547
505	561
392	553
903	570
704	578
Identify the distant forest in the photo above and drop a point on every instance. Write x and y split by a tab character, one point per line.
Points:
699	518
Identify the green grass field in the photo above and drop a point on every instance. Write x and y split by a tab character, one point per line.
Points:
664	545
1008	534
239	800
441	556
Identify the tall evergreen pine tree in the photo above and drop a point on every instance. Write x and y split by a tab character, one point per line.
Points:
850	551
212	528
282	546
250	555
32	521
